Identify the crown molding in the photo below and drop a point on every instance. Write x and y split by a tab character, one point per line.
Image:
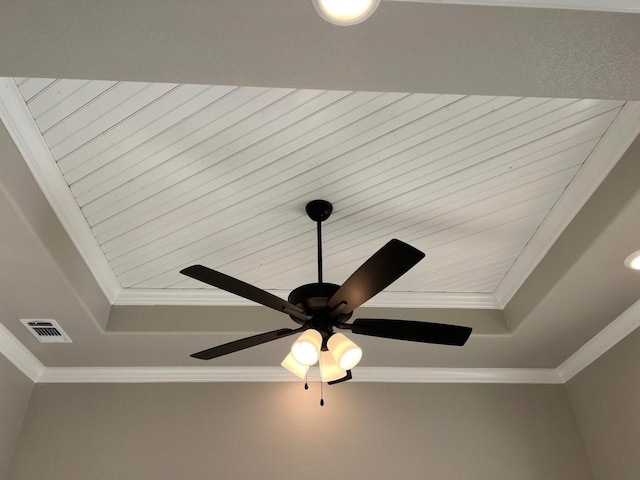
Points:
623	6
130	296
613	144
27	137
601	343
456	375
278	374
20	355
26	362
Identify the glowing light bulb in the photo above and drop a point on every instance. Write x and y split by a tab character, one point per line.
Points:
346	353
305	349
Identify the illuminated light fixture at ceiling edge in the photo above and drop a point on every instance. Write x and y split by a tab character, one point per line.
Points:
345	12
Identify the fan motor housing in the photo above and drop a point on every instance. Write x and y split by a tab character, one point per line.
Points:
313	299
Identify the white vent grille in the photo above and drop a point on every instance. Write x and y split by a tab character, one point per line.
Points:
46	330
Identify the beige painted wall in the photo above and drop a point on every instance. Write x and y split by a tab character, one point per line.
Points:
404	47
606	400
278	431
15	390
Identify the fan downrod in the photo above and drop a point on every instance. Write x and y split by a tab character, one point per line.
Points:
319	210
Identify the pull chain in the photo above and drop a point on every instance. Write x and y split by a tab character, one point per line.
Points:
321	394
306	384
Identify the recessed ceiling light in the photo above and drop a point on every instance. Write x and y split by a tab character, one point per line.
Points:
633	260
345	12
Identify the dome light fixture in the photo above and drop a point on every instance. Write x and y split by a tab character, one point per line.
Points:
633	261
345	12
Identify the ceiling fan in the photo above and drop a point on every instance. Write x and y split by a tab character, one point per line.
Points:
320	307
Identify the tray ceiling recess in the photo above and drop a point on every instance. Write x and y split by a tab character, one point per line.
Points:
148	178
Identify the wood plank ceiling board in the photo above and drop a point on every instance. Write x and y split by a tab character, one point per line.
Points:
170	175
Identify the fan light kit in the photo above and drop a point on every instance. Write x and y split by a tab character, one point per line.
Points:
633	260
345	12
341	355
320	307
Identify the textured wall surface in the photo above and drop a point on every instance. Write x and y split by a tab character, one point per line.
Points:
279	431
15	390
606	400
404	47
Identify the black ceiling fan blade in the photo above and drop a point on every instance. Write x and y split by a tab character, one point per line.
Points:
244	343
382	269
412	331
242	289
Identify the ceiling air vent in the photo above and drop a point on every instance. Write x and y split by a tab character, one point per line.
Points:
46	331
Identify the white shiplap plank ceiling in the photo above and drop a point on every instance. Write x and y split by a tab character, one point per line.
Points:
170	175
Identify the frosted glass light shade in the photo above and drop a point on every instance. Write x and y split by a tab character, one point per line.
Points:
294	367
346	353
329	369
345	12
305	349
